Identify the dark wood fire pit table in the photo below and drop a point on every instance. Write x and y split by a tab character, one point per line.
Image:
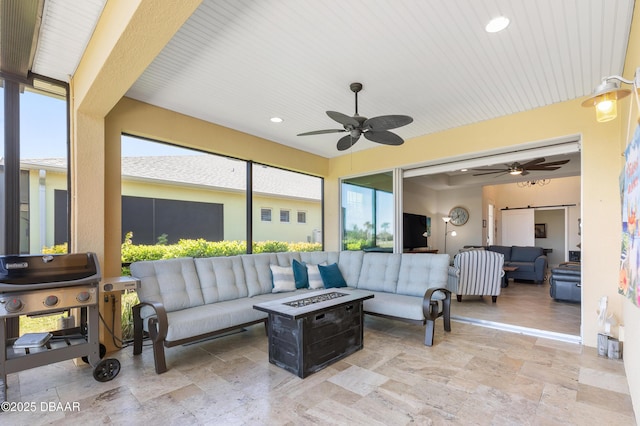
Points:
308	332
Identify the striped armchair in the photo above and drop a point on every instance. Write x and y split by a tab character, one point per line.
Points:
476	273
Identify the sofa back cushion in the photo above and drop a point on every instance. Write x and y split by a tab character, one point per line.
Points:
505	250
286	258
318	257
525	254
350	264
419	272
173	282
380	272
257	272
221	278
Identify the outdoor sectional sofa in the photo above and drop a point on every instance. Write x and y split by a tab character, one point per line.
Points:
188	299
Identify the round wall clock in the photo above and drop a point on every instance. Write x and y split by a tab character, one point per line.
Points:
459	216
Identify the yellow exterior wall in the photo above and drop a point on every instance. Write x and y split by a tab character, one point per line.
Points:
54	180
291	231
234	210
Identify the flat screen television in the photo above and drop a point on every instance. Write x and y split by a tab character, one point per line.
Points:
413	226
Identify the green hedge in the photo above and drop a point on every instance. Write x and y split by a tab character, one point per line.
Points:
202	248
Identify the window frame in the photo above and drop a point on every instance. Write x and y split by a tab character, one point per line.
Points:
264	210
287	213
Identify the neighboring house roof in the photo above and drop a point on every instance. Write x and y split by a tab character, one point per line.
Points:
211	171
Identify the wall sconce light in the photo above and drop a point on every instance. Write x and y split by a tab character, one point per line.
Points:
606	95
453	233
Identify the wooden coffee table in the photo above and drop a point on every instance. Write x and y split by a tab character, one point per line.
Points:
505	279
310	331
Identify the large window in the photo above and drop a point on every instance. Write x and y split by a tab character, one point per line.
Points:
197	203
34	167
367	213
33	173
286	191
171	194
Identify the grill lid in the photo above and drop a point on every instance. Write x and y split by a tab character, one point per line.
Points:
34	269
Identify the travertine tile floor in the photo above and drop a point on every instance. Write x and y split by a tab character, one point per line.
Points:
473	375
524	305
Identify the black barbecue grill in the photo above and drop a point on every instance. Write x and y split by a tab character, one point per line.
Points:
47	284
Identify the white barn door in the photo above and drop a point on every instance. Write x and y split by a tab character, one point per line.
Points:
517	227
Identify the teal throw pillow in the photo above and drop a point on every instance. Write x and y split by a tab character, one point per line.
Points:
300	274
331	276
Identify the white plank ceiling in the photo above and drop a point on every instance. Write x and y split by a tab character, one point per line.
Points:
239	62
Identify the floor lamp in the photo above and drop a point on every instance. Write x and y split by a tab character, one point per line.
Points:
453	233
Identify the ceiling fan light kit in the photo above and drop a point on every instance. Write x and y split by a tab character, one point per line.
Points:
375	129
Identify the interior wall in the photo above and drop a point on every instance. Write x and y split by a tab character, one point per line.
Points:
560	191
471	232
554	221
418	199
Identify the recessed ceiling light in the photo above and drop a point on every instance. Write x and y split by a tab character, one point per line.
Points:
276	120
497	24
463	170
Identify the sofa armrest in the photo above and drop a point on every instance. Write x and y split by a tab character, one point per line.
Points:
158	324
540	267
430	308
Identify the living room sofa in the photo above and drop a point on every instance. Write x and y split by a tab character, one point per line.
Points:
530	261
188	299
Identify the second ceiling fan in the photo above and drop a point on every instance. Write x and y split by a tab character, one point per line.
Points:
375	129
523	169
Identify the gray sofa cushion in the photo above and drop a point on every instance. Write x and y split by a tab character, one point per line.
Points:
204	319
525	254
286	258
173	282
419	272
221	278
350	264
380	272
395	305
524	266
505	250
318	257
258	273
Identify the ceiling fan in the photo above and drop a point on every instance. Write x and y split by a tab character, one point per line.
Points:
523	169
375	129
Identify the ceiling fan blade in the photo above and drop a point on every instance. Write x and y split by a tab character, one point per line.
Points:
524	173
347	142
532	163
383	137
490	173
386	122
552	163
320	132
343	119
543	168
486	170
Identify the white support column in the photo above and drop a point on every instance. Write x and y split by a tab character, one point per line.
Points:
397	210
